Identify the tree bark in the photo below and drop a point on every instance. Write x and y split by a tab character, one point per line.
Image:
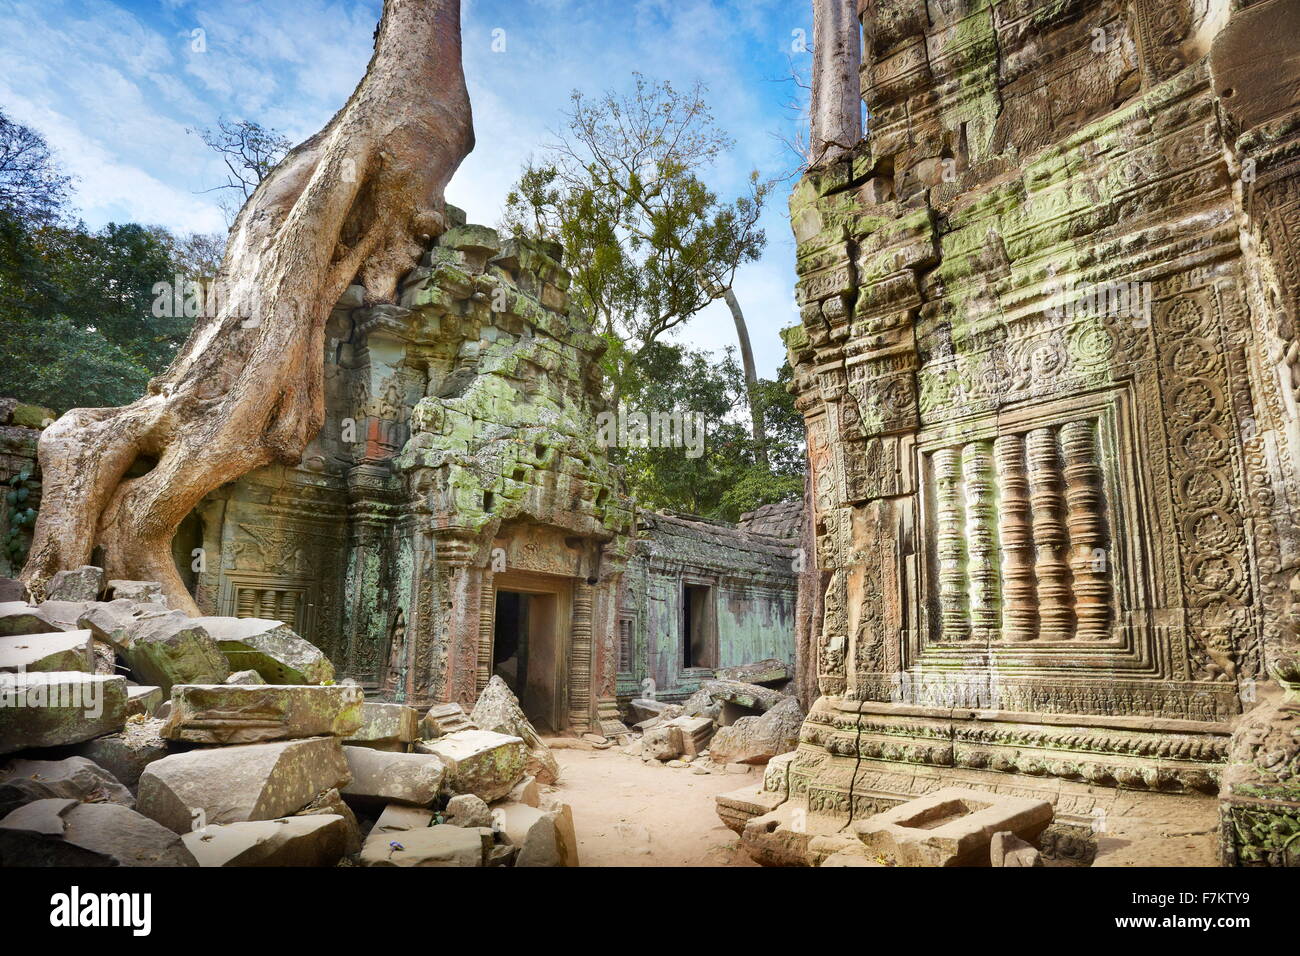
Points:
751	378
836	87
361	197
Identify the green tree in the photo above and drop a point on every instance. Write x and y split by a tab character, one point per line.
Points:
648	243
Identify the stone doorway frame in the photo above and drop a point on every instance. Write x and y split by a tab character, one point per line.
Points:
532	583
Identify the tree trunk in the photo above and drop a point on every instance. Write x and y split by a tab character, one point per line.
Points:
836	87
751	378
363	196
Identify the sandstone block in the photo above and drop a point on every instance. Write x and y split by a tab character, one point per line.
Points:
380	777
269	647
480	762
245	782
245	714
318	840
57	651
47	709
59	832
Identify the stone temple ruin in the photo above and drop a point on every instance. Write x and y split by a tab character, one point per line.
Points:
1047	364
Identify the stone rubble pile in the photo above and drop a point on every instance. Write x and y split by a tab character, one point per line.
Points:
133	735
741	718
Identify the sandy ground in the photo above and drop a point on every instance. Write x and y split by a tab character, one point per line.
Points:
628	813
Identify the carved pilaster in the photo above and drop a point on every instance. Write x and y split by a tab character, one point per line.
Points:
1047	506
580	654
1089	560
951	538
981	540
1015	531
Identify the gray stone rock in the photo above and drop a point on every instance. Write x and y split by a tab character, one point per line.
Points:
246	678
643	708
173	649
62	615
59	832
748	696
431	846
48	709
332	802
755	740
269	647
382	777
19	617
246	714
397	818
73	778
81	584
467	810
140	591
662	742
386	727
1007	849
142	699
443	719
544	837
12	589
770	672
498	710
317	840
480	762
125	754
113	621
245	782
56	651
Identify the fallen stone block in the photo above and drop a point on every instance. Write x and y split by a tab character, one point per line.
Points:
696	732
1007	849
245	714
56	651
271	648
756	740
663	742
702	704
480	762
443	845
245	678
59	832
643	708
19	617
79	584
397	818
544	837
748	696
150	592
951	827
245	782
63	615
73	778
142	699
467	810
526	791
737	807
48	709
498	710
125	754
332	802
173	649
113	621
767	672
443	719
386	727
318	840
381	777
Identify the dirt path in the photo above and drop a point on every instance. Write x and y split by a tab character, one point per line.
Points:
628	813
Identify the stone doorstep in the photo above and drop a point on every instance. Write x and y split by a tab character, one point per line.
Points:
952	827
737	807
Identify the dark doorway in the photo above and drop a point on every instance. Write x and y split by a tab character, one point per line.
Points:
699	630
524	652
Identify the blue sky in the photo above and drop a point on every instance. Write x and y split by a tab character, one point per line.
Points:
114	87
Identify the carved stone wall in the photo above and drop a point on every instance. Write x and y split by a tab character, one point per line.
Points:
1051	451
